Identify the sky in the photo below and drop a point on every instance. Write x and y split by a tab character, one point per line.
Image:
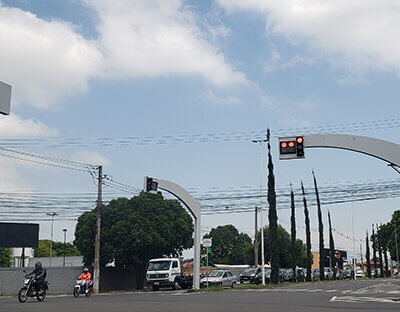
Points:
219	70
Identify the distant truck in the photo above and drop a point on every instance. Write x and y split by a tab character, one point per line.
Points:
171	273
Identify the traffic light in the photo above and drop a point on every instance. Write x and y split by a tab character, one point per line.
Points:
291	147
150	185
300	146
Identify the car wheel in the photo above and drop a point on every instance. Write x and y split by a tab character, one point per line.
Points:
233	284
220	285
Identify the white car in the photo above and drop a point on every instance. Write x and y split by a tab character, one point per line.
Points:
359	273
221	278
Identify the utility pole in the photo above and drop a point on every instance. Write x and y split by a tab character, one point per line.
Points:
261	211
65	246
96	271
52	214
255	239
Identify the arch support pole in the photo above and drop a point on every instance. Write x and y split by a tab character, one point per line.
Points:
152	184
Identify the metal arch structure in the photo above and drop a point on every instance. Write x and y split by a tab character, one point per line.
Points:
384	150
195	209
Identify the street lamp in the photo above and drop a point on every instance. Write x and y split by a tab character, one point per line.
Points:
261	211
52	214
65	242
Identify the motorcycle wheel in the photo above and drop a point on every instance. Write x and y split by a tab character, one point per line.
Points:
76	292
40	297
23	294
88	293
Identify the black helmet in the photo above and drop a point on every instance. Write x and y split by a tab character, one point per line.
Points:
38	265
85	270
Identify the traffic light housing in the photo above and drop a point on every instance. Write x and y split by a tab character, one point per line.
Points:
150	185
291	147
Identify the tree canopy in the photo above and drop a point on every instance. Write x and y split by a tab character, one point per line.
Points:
229	246
5	257
135	230
43	249
284	243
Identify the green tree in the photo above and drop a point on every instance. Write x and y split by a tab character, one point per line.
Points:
43	249
285	248
373	240
229	246
272	217
321	231
368	256
135	230
309	260
5	257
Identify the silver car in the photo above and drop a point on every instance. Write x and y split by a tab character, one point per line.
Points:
221	278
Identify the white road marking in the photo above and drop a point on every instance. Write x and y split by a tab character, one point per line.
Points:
363	299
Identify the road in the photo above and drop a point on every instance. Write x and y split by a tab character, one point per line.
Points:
366	295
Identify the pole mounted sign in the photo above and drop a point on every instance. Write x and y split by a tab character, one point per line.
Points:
5	98
207	242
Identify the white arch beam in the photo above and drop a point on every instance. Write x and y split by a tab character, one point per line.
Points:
384	150
195	209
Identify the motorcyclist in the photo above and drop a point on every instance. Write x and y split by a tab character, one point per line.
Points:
86	276
40	275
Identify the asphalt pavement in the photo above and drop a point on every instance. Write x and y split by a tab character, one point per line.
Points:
360	295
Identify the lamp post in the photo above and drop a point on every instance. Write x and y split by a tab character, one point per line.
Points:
261	210
65	242
52	215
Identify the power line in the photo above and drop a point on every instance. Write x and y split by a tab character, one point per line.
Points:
199	138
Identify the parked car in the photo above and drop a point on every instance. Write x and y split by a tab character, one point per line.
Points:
258	276
316	275
328	273
348	274
288	275
221	278
359	273
282	273
248	275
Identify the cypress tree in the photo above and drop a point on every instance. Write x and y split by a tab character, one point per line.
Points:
293	232
379	251
273	217
308	235
368	256
321	232
331	247
384	249
374	250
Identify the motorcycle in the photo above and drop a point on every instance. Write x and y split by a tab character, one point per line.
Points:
81	289
29	290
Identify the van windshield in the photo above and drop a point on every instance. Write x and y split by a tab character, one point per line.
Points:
159	265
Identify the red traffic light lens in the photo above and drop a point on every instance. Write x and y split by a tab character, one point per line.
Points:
300	140
291	144
283	144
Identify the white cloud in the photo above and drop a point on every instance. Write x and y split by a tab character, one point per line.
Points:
44	61
49	61
13	126
146	38
11	179
90	157
350	33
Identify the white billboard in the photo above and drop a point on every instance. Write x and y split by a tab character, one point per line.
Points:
5	98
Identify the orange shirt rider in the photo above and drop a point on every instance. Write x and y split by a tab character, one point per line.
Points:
85	276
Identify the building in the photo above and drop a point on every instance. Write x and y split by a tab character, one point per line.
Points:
341	258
